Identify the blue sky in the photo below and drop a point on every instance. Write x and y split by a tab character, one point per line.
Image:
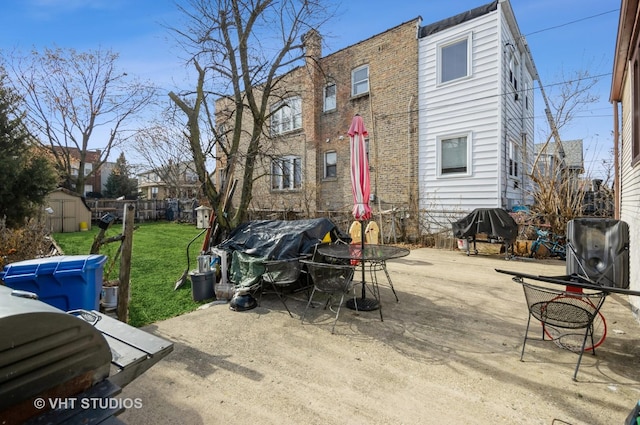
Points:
564	36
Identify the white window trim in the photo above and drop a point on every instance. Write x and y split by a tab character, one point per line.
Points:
277	111
335	165
335	97
445	43
291	160
353	85
439	140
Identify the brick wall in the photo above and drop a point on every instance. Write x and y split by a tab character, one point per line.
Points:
389	111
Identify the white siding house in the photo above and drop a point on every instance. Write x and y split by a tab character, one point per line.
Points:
475	92
625	95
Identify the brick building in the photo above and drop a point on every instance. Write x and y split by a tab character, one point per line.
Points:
304	163
70	158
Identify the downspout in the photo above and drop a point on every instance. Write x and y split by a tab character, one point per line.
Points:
409	156
616	165
505	129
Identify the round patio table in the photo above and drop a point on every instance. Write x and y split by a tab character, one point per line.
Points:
369	253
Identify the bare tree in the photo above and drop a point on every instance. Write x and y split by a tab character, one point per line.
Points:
162	146
74	98
241	49
558	194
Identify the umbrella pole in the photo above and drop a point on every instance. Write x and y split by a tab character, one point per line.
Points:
363	303
364	294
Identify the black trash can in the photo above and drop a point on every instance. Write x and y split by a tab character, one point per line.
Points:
202	285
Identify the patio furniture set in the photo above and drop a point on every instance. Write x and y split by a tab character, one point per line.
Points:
288	257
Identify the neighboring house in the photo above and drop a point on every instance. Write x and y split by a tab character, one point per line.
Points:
448	107
566	158
476	112
105	172
177	180
92	161
625	95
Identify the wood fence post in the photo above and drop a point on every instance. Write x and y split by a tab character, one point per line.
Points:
125	263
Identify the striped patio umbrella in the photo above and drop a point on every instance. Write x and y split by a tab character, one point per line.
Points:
361	188
360	184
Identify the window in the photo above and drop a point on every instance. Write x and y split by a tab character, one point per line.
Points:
330	164
454	155
221	179
286	116
286	173
546	163
454	60
513	159
527	87
514	71
360	80
330	97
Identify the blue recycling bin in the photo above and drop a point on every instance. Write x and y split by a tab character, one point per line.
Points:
68	282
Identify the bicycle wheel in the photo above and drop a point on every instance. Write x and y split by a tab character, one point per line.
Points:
571	339
534	248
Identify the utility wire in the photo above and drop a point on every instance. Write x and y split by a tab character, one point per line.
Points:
572	22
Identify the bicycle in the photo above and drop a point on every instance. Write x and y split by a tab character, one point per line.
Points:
553	244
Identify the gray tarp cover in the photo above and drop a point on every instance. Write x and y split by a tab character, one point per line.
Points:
279	239
254	242
492	221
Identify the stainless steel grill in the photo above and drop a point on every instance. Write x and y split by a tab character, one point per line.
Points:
48	354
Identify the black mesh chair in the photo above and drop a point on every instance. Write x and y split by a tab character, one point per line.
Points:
279	274
562	309
331	279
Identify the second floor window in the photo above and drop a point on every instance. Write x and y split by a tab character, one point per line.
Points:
286	116
286	173
514	70
360	80
330	164
454	59
330	97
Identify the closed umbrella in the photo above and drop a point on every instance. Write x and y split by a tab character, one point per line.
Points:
361	188
359	169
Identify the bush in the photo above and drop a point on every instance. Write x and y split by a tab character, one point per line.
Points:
24	243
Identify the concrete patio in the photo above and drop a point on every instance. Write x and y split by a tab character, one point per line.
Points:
448	352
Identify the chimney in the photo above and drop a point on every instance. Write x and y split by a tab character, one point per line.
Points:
312	45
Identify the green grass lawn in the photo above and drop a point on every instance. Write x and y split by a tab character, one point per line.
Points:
159	259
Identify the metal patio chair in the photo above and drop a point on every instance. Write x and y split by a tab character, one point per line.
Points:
562	309
331	279
279	274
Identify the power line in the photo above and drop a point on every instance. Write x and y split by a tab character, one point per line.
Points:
572	22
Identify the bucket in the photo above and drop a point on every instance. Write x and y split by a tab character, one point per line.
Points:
463	244
109	297
204	263
225	291
202	285
83	226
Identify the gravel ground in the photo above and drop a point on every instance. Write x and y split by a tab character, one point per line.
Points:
447	353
